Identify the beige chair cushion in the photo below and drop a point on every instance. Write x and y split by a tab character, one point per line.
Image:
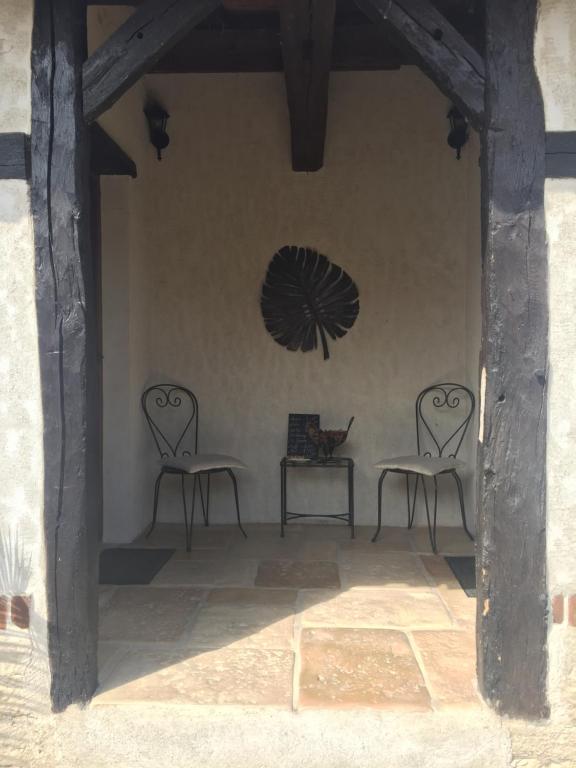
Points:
203	462
423	465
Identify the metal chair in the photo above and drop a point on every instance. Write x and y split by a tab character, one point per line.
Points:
435	456
176	409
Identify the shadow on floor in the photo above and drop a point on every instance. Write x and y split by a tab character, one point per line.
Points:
312	620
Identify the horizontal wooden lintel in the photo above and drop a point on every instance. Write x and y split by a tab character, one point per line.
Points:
561	154
14	156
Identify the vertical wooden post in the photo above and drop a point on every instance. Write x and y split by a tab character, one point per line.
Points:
65	302
512	599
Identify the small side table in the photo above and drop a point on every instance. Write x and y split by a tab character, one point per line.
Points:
337	462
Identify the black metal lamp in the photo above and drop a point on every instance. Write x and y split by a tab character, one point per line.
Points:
157	118
458	135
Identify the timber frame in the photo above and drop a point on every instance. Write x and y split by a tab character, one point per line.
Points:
501	96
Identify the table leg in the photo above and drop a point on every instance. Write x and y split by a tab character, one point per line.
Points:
282	499
351	499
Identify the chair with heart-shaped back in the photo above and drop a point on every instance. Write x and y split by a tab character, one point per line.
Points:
171	412
443	415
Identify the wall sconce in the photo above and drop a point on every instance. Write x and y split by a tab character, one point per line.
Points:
157	118
458	135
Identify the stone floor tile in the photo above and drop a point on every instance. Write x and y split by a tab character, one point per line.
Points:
450	665
462	607
390	540
262	618
298	574
148	614
201	554
450	541
374	608
258	547
344	668
394	569
328	531
217	677
174	535
105	592
293	547
224	571
252	596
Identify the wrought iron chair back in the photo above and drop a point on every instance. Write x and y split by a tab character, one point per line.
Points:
173	436
445	400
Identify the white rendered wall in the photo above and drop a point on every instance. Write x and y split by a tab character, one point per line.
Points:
556	61
24	682
392	206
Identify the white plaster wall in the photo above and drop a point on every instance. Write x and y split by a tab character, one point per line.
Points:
125	447
392	206
23	662
556	63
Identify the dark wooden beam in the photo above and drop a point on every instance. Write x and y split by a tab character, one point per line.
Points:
65	308
14	156
444	55
259	50
307	29
511	555
561	154
107	158
135	47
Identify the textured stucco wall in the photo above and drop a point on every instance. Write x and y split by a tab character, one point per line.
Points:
392	206
554	744
125	444
23	660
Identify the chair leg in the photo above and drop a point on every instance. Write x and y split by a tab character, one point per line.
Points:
233	478
380	481
156	494
282	499
413	512
206	509
431	528
183	484
190	529
461	498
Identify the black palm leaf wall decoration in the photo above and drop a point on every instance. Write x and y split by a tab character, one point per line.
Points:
305	296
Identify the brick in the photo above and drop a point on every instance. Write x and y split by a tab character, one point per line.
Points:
21	611
572	610
4	611
558	609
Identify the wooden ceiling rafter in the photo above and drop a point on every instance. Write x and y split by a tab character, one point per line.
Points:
444	55
153	28
307	31
303	32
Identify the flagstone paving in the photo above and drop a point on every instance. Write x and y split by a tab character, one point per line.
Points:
312	621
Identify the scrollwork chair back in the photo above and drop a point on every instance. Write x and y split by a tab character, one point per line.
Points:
453	405
171	412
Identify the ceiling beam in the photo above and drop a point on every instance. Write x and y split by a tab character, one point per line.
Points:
355	47
307	30
135	47
444	55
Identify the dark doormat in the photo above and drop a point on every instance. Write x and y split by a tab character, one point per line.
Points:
464	568
123	565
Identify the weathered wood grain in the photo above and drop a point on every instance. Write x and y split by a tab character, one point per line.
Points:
14	156
307	30
511	562
135	47
444	55
65	305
